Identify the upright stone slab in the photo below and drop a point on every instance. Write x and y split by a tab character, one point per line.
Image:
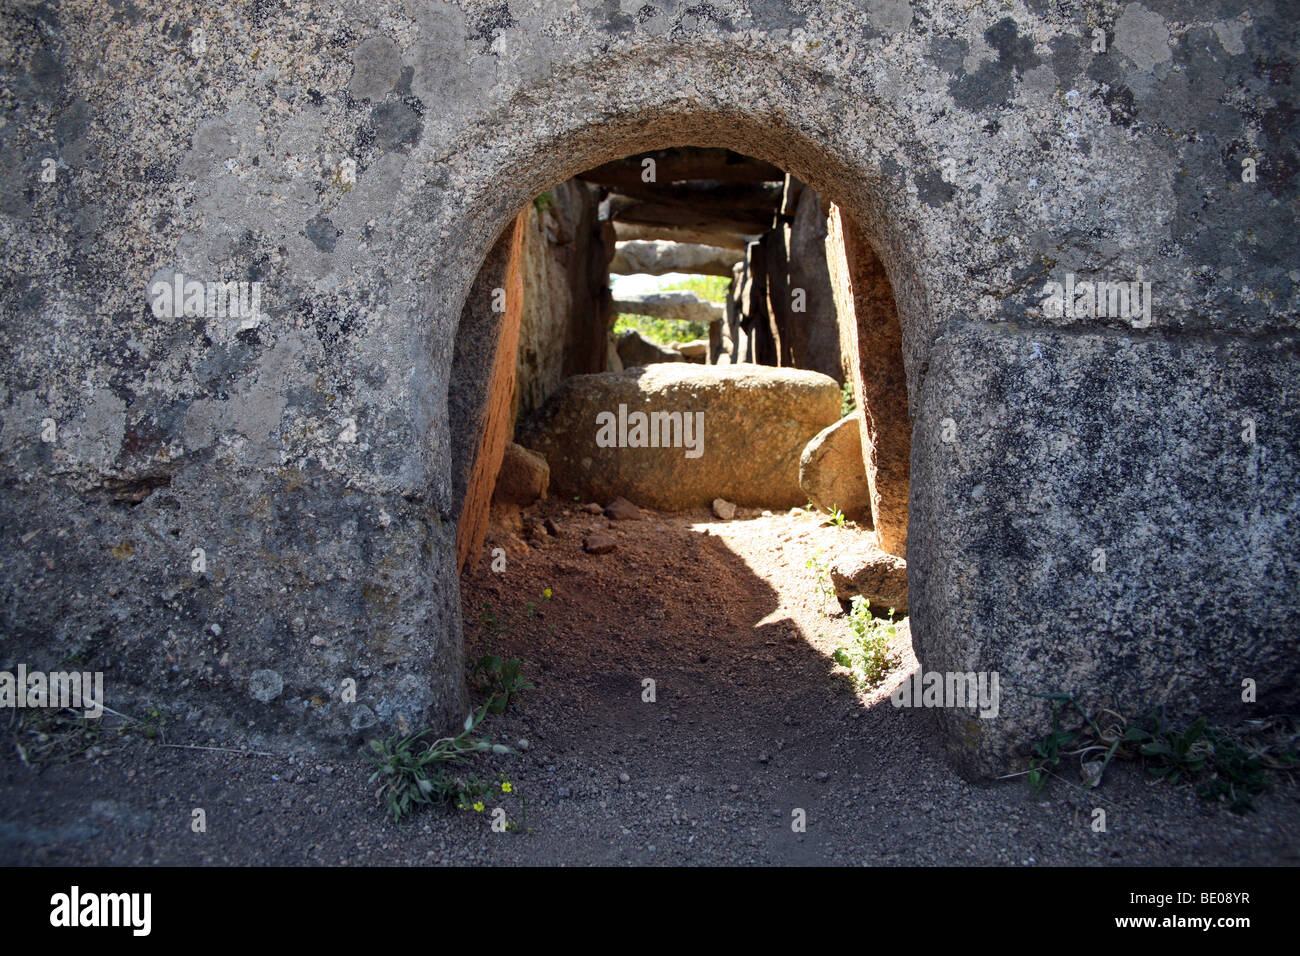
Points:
1095	514
875	338
486	417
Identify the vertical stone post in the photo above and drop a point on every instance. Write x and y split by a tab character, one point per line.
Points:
865	303
482	430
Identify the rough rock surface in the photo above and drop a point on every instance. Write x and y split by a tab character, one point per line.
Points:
598	543
524	476
868	308
676	304
620	509
482	409
696	350
565	297
660	258
756	421
755	338
634	349
1194	506
813	333
831	472
867	571
361	160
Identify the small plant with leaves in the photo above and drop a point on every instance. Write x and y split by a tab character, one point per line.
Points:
710	288
661	331
45	736
413	771
469	793
1225	765
519	825
823	574
835	517
501	678
1174	752
848	404
870	656
1240	770
1047	752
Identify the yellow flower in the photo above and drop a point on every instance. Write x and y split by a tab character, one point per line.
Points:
506	786
478	806
546	593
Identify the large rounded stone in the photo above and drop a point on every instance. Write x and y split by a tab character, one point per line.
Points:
831	472
879	577
523	478
635	349
748	425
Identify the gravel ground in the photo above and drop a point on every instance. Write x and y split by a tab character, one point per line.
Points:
752	722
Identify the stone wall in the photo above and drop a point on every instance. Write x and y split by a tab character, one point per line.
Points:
868	323
360	160
482	406
798	303
566	306
539	307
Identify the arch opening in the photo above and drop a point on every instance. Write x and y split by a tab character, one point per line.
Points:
767	318
765	236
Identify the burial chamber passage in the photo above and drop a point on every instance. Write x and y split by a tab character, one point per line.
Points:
1083	512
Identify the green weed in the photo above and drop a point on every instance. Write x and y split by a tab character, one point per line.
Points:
848	403
1226	765
836	517
661	331
501	678
870	655
710	288
413	773
822	571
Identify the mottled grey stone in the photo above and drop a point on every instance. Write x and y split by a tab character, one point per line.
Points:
376	66
1143	36
265	685
658	258
1100	524
193	432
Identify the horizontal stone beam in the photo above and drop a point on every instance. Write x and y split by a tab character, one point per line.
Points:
660	258
708	195
678	305
682	163
725	239
684	215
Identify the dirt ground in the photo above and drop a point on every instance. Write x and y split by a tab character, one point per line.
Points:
751	723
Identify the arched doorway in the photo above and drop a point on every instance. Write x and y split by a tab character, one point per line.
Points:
485	356
566	127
